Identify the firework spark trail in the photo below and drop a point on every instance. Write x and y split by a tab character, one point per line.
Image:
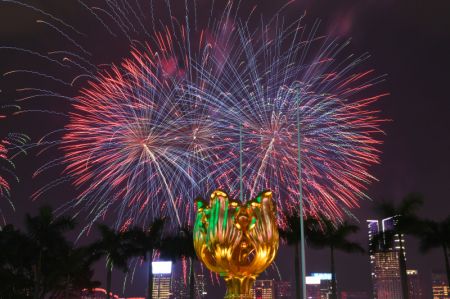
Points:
147	135
11	145
164	179
262	87
129	116
58	20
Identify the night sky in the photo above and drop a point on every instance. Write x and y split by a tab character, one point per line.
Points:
409	40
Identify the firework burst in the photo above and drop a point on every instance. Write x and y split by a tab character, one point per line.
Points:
146	136
275	86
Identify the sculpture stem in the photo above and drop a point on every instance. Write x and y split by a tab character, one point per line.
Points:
239	287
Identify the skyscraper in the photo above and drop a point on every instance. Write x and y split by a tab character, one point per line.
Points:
312	287
388	224
318	286
271	289
414	285
162	280
200	287
440	286
385	259
180	287
264	289
283	289
386	275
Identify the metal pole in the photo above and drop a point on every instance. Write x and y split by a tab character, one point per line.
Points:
241	194
302	229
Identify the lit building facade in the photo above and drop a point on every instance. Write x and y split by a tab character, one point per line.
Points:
440	286
200	286
385	259
162	280
162	286
264	289
283	289
180	287
318	286
272	289
386	275
414	285
312	287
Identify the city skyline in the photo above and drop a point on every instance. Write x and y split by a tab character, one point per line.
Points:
318	283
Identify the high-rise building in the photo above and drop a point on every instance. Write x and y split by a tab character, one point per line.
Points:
386	275
440	286
385	258
200	286
271	289
414	285
312	287
283	289
264	289
388	224
162	280
318	286
325	284
180	287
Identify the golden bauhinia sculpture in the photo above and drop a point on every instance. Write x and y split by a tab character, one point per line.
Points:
236	240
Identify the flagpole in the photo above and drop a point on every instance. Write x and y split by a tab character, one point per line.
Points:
241	194
302	229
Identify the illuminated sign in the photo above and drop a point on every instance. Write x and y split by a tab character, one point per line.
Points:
312	280
161	267
322	276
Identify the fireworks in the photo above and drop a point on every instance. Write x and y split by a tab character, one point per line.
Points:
146	136
265	84
125	142
4	185
10	146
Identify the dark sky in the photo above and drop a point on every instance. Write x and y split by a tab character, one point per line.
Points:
409	40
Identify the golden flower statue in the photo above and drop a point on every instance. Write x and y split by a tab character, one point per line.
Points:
238	241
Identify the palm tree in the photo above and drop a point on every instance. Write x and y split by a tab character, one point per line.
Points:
436	234
16	258
406	222
72	272
116	246
179	246
46	233
42	260
291	235
322	233
145	242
